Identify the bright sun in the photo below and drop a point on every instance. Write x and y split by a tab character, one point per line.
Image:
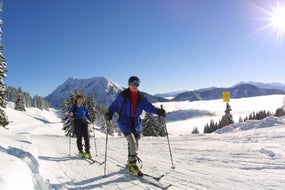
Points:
278	20
273	14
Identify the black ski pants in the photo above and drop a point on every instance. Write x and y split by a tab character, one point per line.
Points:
81	130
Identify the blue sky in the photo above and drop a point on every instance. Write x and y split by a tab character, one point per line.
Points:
170	44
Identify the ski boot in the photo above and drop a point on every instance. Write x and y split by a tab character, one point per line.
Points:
88	155
81	154
133	168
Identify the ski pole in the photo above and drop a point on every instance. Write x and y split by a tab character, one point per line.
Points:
107	131
164	123
69	143
69	147
94	140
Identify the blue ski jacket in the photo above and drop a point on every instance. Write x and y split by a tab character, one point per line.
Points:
80	112
123	106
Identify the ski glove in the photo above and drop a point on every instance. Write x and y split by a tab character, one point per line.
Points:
108	116
161	112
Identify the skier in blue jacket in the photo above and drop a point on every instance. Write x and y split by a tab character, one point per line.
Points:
129	104
80	114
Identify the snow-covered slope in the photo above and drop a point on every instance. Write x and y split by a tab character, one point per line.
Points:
35	155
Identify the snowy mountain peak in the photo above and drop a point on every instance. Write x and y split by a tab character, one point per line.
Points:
103	89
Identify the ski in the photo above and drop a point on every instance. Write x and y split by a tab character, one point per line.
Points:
90	160
151	180
148	178
95	161
157	178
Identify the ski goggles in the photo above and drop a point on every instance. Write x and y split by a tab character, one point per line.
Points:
134	83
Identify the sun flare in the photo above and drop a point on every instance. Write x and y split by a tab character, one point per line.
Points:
278	20
272	14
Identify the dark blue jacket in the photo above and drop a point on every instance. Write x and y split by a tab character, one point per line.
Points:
123	106
80	112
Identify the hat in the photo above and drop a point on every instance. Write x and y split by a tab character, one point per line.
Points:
79	97
134	79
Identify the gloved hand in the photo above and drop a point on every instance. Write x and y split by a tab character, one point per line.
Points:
161	112
108	116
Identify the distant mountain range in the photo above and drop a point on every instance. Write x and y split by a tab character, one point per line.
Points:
237	91
105	91
265	85
170	94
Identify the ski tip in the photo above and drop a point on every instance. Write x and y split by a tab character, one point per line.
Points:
167	187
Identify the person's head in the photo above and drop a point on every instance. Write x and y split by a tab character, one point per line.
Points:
134	83
79	99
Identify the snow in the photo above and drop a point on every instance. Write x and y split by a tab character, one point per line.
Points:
35	154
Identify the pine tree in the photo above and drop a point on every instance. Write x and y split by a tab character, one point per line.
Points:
240	119
36	101
27	100
103	129
213	126
195	130
3	98
112	127
40	102
152	127
279	112
227	119
20	104
11	94
207	128
91	105
3	69
100	120
69	131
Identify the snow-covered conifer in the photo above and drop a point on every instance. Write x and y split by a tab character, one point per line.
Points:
3	70
69	131
227	119
195	130
91	105
20	103
152	127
